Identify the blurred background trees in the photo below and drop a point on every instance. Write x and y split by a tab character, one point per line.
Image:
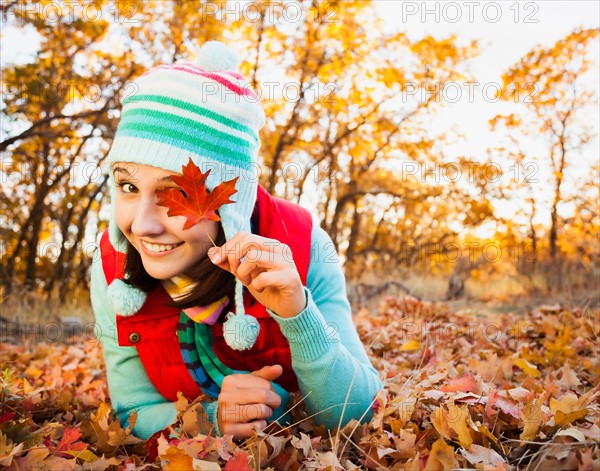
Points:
346	135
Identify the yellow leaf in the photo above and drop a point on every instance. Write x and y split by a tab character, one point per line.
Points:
177	460
27	387
100	417
528	368
33	372
532	416
458	418
85	455
483	429
439	419
411	345
396	426
568	403
116	435
405	408
560	418
441	457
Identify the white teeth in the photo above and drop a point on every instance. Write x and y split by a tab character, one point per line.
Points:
159	248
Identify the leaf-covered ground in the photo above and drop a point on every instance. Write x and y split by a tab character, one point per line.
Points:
461	391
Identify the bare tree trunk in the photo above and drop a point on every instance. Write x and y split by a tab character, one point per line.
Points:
460	274
79	237
325	225
59	265
353	233
554	226
558	172
340	206
527	261
32	245
37	216
456	284
532	231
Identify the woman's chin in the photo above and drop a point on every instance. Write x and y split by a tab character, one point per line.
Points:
159	273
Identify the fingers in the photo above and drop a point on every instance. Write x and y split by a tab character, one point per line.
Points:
256	262
243	413
252	257
247	401
252	247
265	279
254	396
269	372
244	381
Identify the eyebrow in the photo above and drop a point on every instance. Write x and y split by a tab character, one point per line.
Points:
124	170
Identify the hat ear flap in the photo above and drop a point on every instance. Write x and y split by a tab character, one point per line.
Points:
115	236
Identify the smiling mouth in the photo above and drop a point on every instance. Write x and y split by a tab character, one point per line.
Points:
158	248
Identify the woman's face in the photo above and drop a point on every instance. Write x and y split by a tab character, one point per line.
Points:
165	248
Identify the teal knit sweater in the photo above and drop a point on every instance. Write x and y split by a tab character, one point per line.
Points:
327	355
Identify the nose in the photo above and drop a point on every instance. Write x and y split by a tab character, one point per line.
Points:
148	218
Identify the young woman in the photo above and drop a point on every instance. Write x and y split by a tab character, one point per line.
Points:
260	314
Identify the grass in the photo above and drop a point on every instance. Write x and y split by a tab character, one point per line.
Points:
491	294
30	307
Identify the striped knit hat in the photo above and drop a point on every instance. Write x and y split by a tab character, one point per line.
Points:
207	112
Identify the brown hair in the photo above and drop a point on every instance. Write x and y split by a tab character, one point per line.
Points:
215	282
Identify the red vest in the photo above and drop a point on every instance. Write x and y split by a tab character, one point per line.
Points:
153	329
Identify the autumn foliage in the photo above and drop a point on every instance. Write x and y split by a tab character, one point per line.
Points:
461	390
350	125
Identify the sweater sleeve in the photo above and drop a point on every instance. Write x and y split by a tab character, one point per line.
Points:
128	384
328	357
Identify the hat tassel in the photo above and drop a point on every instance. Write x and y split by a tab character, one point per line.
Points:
240	330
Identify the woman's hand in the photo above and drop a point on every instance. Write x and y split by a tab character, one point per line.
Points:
267	270
246	401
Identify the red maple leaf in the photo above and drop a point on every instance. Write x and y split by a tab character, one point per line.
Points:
465	384
197	203
151	445
239	462
70	442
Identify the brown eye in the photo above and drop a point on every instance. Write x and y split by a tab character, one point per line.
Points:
130	188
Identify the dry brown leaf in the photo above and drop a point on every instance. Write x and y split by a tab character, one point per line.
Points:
441	457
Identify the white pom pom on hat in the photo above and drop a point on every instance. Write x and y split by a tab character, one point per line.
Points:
240	330
214	56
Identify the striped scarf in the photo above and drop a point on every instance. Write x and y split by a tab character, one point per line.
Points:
195	337
180	286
